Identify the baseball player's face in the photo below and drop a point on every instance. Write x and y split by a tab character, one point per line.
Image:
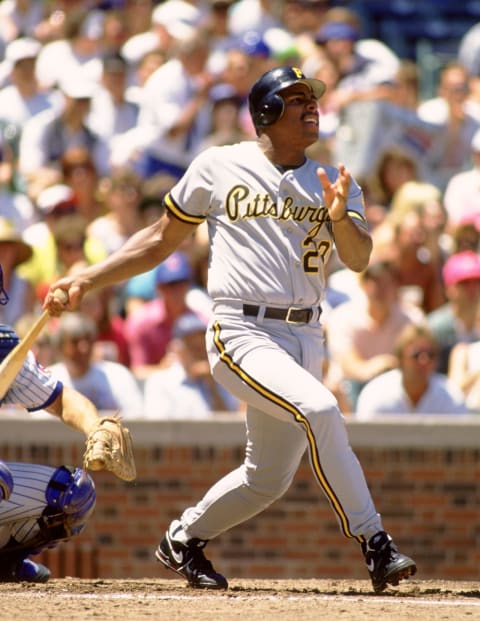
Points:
300	111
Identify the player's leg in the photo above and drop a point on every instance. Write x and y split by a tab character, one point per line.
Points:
264	373
47	505
238	496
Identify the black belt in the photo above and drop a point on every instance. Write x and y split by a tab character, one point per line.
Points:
290	315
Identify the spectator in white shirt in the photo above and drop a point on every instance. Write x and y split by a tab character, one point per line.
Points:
457	119
462	194
21	98
414	387
175	112
110	114
109	385
48	135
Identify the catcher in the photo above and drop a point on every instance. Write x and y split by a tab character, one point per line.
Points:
41	506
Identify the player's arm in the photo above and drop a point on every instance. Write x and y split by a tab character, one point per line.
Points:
75	410
353	242
142	252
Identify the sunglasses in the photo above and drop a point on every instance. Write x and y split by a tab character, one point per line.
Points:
423	354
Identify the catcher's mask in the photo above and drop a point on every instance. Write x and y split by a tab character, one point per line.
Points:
265	104
3	294
8	340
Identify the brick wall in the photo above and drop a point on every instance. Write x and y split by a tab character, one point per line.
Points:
424	476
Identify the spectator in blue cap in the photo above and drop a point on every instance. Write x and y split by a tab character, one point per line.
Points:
362	63
226	123
186	388
174	269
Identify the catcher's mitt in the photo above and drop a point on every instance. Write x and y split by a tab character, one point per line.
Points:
109	447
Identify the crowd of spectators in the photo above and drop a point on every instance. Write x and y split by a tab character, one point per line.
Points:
103	105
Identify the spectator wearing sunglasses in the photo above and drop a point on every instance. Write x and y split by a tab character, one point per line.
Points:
414	387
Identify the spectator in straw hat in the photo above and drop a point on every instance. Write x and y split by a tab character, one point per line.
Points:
13	251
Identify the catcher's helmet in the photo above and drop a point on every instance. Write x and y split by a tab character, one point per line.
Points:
265	104
8	340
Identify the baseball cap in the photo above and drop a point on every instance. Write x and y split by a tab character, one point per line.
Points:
178	17
78	87
461	266
253	44
20	49
187	324
335	31
176	267
57	197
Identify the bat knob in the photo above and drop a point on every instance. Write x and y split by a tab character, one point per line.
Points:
61	295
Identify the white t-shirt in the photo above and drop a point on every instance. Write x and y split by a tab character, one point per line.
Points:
385	394
109	385
18	109
169	393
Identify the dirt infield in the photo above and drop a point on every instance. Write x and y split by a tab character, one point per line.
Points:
74	599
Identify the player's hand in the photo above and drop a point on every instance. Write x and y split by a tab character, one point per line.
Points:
75	291
335	193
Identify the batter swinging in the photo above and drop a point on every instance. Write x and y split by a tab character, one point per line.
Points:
273	217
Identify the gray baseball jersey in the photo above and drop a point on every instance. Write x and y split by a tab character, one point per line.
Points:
270	232
270	238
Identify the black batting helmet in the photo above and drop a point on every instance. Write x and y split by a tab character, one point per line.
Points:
265	104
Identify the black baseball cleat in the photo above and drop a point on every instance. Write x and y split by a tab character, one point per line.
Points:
25	571
189	561
385	563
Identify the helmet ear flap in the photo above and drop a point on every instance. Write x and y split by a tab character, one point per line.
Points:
270	110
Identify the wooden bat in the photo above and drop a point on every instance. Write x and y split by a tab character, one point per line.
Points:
13	362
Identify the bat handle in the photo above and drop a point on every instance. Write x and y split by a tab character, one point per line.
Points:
37	326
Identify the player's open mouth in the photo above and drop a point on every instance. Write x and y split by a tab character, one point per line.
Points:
311	118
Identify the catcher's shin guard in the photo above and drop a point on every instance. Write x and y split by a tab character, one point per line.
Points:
6	481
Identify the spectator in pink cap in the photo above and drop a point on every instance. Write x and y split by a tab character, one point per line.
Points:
457	320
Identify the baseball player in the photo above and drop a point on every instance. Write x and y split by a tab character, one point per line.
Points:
41	505
273	217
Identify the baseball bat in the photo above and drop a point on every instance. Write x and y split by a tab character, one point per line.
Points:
13	362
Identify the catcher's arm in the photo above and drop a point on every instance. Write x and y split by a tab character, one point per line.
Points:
75	410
